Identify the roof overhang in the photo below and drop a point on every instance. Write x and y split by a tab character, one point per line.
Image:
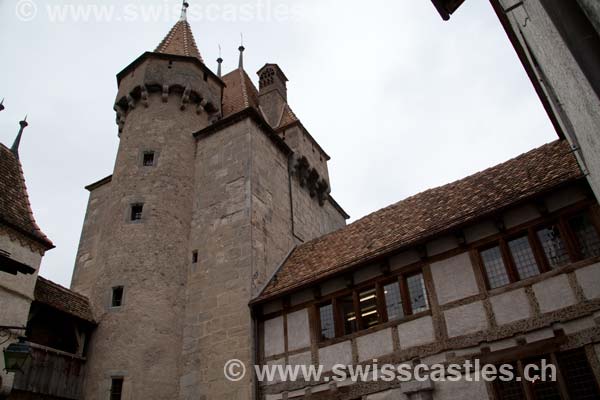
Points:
14	267
447	7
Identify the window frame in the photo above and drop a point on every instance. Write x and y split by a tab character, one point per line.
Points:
561	220
377	284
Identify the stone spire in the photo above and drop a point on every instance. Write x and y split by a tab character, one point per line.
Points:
17	142
180	39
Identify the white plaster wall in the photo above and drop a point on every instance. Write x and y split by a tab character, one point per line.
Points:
375	345
298	330
340	353
520	215
466	319
416	333
511	306
454	278
274	339
589	280
480	231
554	293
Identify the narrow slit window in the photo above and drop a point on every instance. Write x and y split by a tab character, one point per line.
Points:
148	159
195	257
117	296
116	389
136	212
327	321
495	268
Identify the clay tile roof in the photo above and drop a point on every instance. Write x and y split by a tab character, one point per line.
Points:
426	214
15	210
239	94
63	299
287	118
180	41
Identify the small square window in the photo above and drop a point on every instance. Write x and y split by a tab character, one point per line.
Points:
554	246
195	257
136	212
116	388
117	297
417	293
393	301
348	314
586	236
367	303
523	256
148	159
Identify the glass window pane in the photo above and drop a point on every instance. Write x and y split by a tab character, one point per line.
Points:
346	310
417	293
393	301
553	246
327	321
523	256
543	389
510	390
588	242
368	308
494	267
578	375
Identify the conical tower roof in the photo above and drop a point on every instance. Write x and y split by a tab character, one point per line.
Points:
180	39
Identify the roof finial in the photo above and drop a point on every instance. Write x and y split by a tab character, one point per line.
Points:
219	61
15	146
2	104
184	11
241	49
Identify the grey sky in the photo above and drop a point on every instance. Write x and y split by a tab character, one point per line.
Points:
400	100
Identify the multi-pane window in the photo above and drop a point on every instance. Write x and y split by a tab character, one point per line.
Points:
494	267
327	324
417	293
554	246
586	235
523	256
116	389
540	249
390	300
393	301
574	379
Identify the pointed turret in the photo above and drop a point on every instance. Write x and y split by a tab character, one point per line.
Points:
17	142
180	39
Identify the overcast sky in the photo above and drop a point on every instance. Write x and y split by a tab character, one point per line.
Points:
401	100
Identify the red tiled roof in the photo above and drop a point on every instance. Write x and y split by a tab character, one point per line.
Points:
426	214
180	41
239	94
63	299
15	210
288	117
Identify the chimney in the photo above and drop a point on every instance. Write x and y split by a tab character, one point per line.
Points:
272	95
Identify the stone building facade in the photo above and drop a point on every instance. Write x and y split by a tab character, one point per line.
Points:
558	43
214	183
501	267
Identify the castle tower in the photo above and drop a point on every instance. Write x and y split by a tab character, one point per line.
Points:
205	201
